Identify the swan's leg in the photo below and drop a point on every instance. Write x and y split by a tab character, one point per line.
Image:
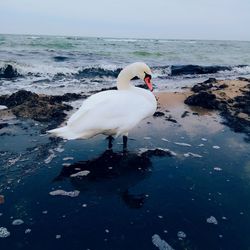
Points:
110	141
125	142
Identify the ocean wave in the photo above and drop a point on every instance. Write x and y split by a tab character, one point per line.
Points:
198	70
101	72
14	70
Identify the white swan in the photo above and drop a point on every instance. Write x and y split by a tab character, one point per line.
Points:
113	112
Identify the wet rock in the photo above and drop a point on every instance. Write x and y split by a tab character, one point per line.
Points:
170	119
196	69
210	80
235	111
244	79
3	125
8	72
158	113
184	114
223	86
203	99
41	108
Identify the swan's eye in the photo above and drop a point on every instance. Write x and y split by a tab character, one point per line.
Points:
147	76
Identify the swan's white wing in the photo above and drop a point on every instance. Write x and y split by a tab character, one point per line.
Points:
113	112
89	104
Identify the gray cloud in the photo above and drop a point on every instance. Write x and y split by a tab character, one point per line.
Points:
191	19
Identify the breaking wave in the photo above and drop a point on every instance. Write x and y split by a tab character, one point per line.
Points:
112	71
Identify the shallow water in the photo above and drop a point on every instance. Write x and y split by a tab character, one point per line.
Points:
126	198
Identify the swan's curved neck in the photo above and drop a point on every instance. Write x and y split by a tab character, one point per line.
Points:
123	79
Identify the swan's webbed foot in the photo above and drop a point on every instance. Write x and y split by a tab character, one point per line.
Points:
110	141
125	142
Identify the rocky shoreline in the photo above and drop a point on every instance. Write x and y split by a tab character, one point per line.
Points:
230	97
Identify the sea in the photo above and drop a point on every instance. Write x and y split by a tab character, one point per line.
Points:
67	64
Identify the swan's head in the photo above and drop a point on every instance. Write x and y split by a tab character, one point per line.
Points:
142	71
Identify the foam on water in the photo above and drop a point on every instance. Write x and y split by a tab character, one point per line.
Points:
4	232
161	244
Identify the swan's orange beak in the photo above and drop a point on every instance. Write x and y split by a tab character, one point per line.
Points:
147	80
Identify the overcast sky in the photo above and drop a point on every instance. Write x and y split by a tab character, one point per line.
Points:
171	19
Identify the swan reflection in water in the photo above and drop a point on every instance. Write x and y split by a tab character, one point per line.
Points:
111	172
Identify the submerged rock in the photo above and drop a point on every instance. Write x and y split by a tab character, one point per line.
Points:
8	72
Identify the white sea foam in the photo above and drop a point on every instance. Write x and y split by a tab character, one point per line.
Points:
4	232
181	235
17	222
80	174
183	144
212	220
193	155
161	244
61	192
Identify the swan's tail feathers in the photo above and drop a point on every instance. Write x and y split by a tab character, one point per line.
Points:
64	132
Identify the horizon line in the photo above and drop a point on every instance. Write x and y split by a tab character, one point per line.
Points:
119	37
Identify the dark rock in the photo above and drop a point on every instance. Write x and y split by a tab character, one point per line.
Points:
170	119
196	69
60	58
210	80
158	113
195	113
41	108
3	125
203	99
185	113
8	72
223	86
201	87
18	98
244	79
